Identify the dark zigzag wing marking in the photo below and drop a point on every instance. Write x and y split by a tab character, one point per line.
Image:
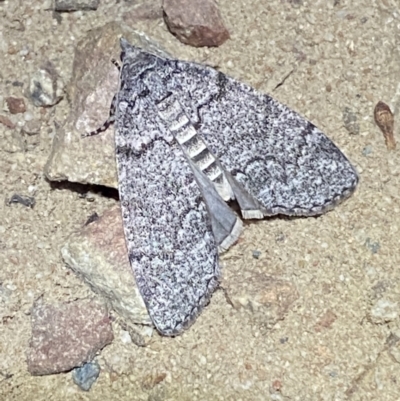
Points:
279	157
170	242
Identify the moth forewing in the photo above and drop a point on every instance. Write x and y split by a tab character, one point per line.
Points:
189	137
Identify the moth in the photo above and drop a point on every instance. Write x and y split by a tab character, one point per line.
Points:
188	140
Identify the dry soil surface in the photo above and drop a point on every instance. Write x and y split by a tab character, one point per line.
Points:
330	60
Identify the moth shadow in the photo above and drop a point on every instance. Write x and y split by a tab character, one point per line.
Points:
85	191
246	222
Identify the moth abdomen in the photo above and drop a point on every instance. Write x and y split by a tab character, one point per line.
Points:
192	144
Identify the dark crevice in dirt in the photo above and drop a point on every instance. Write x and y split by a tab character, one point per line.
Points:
84	189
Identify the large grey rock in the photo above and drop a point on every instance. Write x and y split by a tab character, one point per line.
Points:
98	254
91	89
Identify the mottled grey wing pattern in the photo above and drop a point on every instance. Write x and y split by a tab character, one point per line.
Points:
168	230
189	138
286	164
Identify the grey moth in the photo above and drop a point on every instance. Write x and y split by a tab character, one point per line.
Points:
188	139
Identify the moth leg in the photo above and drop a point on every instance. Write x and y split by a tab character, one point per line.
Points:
110	120
225	223
115	62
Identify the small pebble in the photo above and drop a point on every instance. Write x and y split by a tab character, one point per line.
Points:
86	375
27	201
24	52
383	311
350	121
372	246
7	122
125	337
28	116
367	150
43	87
256	254
15	105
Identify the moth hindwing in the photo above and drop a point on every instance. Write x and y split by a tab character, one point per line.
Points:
189	138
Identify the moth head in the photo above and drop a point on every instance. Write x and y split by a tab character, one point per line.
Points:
127	50
135	61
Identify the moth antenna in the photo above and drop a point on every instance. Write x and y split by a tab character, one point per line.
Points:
116	63
110	120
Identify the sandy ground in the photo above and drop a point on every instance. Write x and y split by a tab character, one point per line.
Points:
340	340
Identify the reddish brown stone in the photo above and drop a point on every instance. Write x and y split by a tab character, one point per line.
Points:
15	105
66	336
196	23
7	122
